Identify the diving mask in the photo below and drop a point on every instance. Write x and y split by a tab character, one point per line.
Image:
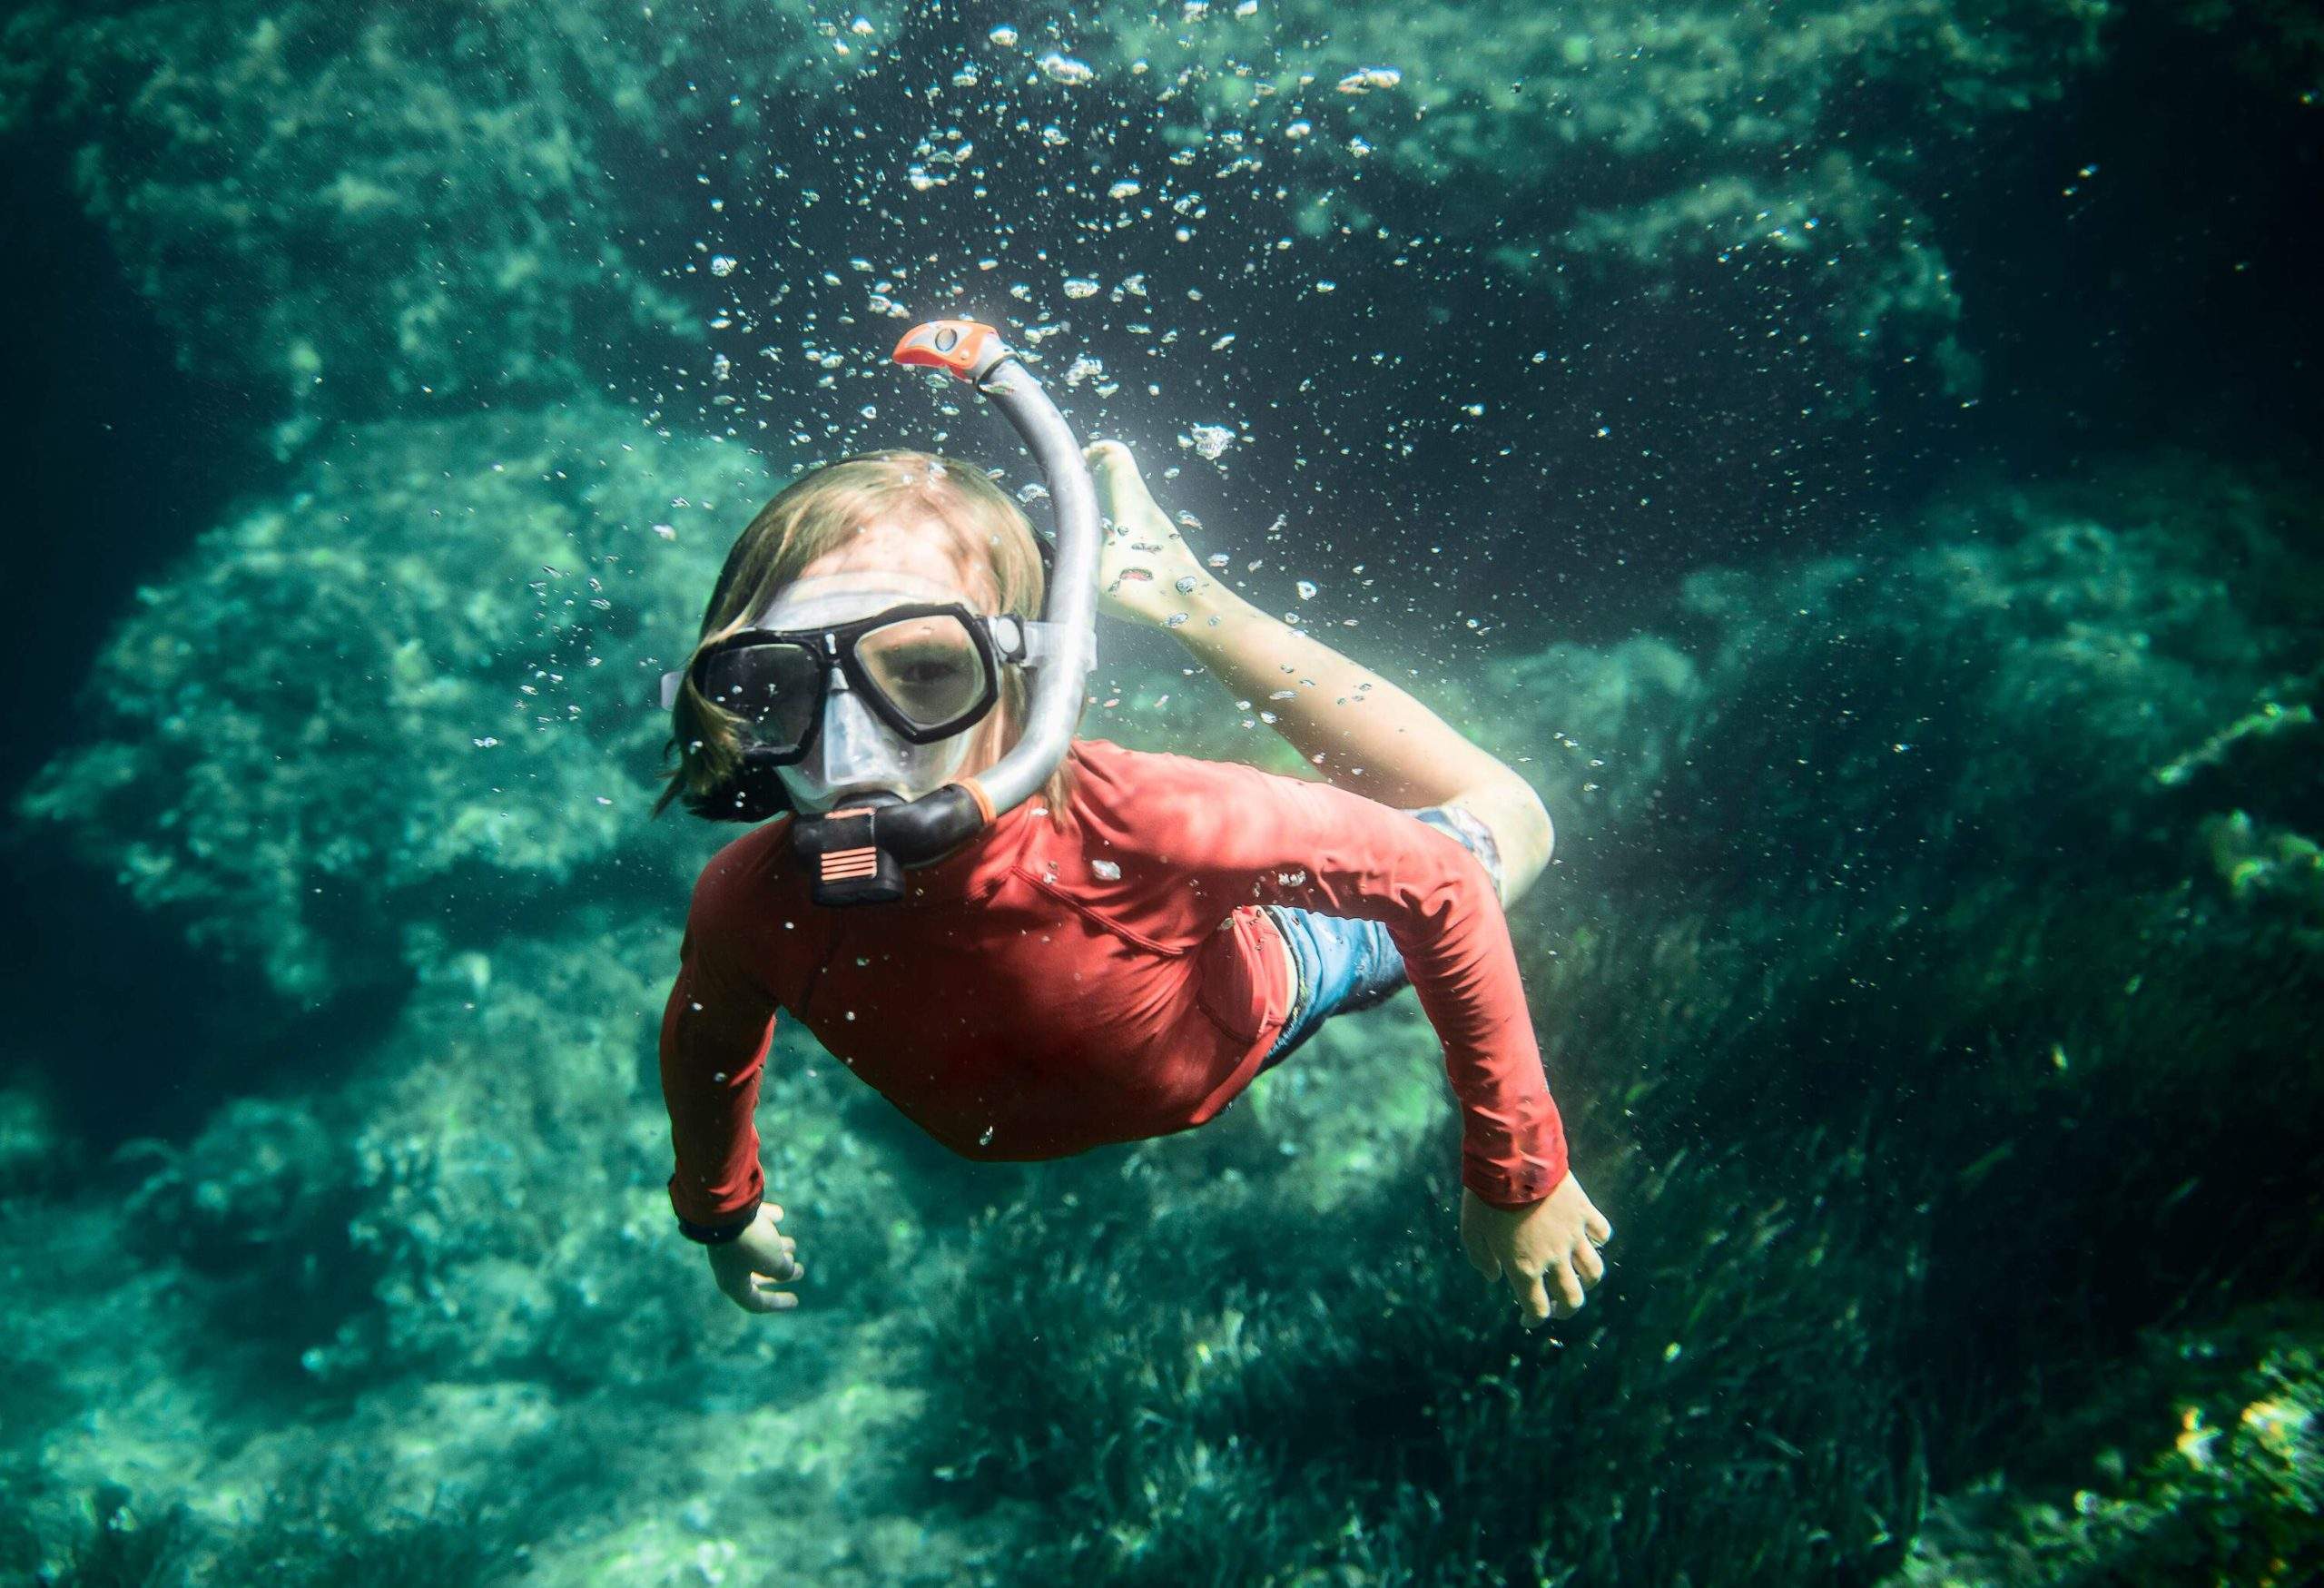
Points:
862	683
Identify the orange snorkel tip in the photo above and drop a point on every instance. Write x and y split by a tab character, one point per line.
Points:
967	349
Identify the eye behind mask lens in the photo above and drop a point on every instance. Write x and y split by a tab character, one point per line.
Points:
775	689
929	669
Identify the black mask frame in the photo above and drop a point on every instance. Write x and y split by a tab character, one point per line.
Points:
997	639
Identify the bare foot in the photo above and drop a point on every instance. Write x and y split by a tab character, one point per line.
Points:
1146	573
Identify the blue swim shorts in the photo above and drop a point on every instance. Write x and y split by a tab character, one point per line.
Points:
1347	964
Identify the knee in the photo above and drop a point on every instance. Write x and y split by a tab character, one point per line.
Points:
1535	836
1522	832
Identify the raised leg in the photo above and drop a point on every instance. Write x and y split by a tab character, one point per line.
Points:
1361	731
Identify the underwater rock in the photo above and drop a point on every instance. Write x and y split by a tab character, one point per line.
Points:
2001	680
1745	237
367	203
1699	151
262	1192
506	1135
1901	864
1599	724
452	1240
419	684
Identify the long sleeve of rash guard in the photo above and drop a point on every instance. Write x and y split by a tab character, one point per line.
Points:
1251	836
716	1031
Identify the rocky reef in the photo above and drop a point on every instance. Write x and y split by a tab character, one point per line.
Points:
428	671
367	206
380	208
1692	154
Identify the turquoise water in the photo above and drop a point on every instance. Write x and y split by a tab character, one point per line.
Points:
1856	459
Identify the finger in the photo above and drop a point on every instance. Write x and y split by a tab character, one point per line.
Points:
1588	1264
1595	1227
749	1298
773	1212
1561	1278
756	1292
1533	1300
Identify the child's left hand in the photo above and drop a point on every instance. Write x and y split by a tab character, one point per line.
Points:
1548	1244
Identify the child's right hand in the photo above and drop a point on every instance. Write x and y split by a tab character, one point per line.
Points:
750	1266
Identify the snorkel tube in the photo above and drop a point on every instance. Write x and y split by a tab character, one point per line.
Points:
858	855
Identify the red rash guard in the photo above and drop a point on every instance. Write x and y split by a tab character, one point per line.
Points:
1041	993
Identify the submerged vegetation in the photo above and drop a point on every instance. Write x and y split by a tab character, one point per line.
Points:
317	1530
1928	973
2004	1107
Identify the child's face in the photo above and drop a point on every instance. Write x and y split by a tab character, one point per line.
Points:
925	547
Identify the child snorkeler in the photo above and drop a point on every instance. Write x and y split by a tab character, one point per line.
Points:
1117	956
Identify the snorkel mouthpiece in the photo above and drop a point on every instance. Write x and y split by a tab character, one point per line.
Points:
858	854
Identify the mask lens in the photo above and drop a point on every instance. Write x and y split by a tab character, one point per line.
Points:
775	689
929	669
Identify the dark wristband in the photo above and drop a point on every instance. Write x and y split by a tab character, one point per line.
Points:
719	1234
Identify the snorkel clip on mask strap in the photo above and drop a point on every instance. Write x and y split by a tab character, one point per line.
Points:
858	854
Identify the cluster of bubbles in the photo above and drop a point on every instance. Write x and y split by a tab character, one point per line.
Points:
1051	191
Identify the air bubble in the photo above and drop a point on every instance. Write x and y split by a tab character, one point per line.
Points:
1209	440
1367	78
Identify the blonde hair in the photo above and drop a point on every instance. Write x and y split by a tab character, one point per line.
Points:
814	513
